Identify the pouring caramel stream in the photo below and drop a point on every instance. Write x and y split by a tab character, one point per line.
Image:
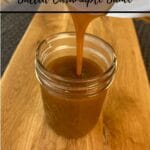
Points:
81	22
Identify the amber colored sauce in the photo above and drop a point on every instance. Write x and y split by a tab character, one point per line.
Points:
75	114
81	22
66	67
72	117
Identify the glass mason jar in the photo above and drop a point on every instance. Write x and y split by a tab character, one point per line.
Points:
73	106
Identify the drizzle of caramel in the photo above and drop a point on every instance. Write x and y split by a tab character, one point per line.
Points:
81	22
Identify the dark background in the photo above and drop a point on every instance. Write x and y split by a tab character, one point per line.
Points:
13	26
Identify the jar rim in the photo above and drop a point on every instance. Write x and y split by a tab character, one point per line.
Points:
111	68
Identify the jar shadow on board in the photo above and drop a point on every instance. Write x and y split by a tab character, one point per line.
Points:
73	106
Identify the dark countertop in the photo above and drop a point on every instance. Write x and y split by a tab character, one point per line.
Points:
13	26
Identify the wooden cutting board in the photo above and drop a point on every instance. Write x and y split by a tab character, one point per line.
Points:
126	115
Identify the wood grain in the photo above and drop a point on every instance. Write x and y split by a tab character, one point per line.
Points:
126	115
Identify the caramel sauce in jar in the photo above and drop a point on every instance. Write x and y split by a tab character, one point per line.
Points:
72	116
73	103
